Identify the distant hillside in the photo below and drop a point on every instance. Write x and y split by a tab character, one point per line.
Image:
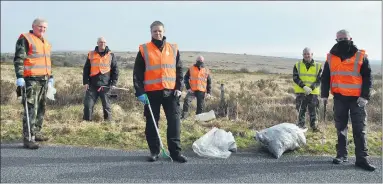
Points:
214	60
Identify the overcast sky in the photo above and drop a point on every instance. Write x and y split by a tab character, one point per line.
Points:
263	28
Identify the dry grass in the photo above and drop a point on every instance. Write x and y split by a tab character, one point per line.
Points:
254	100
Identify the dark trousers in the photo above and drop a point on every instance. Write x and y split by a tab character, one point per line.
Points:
310	102
36	92
188	100
90	100
171	107
358	116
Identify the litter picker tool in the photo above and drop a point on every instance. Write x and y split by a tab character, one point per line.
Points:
27	113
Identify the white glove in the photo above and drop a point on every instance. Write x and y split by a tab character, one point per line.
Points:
20	82
362	102
208	95
190	91
307	90
51	81
177	93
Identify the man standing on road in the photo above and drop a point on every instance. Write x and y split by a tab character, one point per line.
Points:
198	84
306	77
347	74
157	76
33	72
100	70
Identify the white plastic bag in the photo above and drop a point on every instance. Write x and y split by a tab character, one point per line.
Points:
51	92
216	143
281	137
206	116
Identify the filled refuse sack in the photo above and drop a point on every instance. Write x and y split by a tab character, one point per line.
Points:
216	143
282	137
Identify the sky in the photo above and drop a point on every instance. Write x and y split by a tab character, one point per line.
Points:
265	28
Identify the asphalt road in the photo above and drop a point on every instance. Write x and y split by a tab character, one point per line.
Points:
77	164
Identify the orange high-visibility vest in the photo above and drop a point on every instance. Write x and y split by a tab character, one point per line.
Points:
345	76
38	60
198	78
99	64
160	67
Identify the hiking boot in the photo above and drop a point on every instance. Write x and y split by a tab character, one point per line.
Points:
153	157
365	165
40	137
30	144
339	160
179	158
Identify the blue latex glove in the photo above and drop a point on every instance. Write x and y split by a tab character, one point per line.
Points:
51	81
143	99
20	82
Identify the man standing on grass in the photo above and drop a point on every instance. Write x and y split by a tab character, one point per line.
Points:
347	74
157	76
33	72
198	84
100	70
306	77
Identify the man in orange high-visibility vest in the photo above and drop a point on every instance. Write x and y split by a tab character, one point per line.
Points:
157	76
347	74
198	84
100	70
34	73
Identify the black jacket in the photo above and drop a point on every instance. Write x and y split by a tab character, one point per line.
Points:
107	79
300	83
187	77
139	70
365	72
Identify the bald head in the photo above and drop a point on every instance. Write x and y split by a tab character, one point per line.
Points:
200	58
307	54
101	43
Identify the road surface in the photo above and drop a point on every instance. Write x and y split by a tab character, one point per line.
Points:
78	164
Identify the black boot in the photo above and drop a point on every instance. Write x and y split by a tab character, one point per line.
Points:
30	144
339	159
153	157
179	158
365	165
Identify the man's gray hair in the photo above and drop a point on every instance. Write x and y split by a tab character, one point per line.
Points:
100	38
307	50
156	23
343	32
38	21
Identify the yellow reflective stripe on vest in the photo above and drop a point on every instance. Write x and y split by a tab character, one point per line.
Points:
198	78
346	86
154	81
36	66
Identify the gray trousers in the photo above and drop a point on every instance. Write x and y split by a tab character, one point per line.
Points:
90	100
188	99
